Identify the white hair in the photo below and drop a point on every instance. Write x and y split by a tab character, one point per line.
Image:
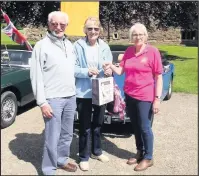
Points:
57	13
140	27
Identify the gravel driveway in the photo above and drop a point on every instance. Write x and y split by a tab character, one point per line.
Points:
175	148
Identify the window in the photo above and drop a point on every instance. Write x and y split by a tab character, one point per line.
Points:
188	35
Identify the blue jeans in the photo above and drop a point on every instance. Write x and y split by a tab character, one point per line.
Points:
86	128
140	113
58	134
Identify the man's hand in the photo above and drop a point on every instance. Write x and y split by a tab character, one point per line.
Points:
47	111
93	71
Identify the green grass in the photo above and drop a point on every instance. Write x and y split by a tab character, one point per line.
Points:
184	58
8	41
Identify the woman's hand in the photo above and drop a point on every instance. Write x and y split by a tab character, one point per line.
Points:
107	68
107	65
156	106
93	71
118	70
108	72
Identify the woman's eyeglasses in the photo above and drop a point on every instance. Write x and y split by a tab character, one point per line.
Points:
138	35
95	29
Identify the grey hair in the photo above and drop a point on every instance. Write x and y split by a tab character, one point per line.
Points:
137	26
58	13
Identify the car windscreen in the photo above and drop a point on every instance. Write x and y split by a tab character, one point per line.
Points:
115	55
15	57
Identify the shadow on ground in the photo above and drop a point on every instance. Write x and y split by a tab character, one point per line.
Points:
29	147
166	56
111	131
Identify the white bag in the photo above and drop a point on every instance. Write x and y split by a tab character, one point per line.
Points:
102	90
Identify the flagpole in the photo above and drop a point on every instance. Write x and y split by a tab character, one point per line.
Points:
6	47
29	45
2	11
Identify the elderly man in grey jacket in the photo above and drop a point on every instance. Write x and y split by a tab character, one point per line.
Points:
53	84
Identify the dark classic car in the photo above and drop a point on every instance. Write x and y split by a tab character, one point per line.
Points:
16	87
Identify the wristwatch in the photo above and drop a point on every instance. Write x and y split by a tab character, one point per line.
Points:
158	97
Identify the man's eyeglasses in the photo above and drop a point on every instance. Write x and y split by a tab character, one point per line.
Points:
95	29
62	25
136	35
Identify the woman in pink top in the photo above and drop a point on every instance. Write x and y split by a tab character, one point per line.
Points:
142	66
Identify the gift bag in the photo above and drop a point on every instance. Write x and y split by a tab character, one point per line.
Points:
118	106
102	90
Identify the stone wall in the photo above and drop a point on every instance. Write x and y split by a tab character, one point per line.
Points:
169	36
34	34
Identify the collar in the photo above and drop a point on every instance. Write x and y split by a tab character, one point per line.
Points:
144	51
54	38
87	42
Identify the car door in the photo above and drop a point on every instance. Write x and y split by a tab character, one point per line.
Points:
167	77
20	59
24	86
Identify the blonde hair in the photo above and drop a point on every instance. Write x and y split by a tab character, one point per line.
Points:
140	27
58	13
96	22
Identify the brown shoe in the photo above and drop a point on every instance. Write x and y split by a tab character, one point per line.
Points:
143	165
136	158
69	167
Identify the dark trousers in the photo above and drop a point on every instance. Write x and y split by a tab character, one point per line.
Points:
86	127
141	113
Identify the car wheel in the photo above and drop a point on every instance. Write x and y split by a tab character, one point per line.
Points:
8	108
169	93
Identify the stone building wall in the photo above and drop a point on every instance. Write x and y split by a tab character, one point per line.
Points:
169	36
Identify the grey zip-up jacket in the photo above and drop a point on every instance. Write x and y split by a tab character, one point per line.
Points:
52	69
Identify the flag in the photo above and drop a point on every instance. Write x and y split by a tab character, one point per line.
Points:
11	31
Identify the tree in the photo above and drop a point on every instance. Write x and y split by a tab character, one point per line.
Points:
113	14
27	12
154	14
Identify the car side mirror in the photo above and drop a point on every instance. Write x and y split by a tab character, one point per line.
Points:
5	56
5	52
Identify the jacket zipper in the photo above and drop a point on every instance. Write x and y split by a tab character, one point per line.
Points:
64	47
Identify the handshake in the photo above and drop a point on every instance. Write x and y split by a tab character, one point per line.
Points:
107	68
93	71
